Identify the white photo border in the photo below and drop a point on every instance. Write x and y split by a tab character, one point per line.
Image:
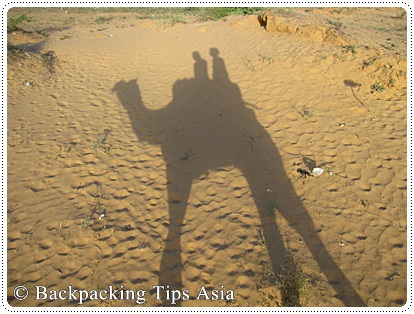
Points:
5	6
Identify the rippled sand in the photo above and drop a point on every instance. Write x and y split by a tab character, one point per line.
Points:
133	162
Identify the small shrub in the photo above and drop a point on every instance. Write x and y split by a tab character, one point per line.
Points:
87	222
337	24
307	114
173	19
103	19
49	60
368	62
294	282
101	140
390	46
376	87
351	48
272	208
266	58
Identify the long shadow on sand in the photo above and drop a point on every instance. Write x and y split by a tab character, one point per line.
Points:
206	126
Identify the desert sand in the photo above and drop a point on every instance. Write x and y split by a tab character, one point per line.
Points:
142	152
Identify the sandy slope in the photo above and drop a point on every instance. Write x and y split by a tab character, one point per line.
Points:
290	98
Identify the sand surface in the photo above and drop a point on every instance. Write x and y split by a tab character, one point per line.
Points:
143	153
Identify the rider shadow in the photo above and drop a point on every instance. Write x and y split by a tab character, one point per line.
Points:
207	126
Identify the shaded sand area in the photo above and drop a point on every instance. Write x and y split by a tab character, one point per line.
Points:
146	152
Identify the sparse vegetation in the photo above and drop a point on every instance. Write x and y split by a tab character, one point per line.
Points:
101	140
293	281
307	114
251	140
337	24
262	239
265	58
11	47
273	208
103	19
87	222
351	48
207	14
377	87
49	60
173	19
369	62
13	24
200	13
390	46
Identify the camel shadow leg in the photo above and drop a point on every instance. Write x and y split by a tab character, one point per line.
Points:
272	237
171	263
269	186
293	211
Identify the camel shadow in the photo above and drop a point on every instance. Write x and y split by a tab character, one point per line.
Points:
207	125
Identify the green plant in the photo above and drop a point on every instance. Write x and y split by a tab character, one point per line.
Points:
251	140
203	14
100	141
390	46
377	87
369	62
351	48
172	19
13	23
262	239
266	58
337	24
11	47
287	11
272	208
103	19
374	296
214	14
219	13
49	59
307	114
87	222
293	281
